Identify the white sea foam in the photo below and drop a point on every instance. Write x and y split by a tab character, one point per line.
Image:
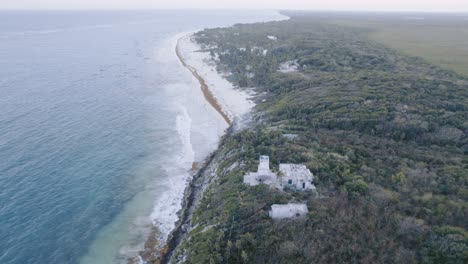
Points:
168	203
183	126
189	107
199	127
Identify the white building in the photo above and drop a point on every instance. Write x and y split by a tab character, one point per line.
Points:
283	211
289	66
295	176
292	176
263	174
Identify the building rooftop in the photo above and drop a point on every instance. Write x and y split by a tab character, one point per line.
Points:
290	210
293	176
296	171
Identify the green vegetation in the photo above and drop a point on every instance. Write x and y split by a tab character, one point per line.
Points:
441	39
385	135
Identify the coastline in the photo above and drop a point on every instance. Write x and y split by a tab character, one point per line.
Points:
232	104
159	247
192	196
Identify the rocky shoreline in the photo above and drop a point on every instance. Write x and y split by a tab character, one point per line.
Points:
192	196
154	253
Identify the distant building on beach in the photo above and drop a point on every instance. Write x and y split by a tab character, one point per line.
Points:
291	176
291	210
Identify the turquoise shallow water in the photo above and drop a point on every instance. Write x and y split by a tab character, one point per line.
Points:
90	121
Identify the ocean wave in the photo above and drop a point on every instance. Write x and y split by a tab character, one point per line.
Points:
164	214
183	126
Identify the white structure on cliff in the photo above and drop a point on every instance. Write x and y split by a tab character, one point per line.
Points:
282	211
296	176
293	176
263	174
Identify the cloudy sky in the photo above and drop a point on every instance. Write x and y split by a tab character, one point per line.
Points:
380	5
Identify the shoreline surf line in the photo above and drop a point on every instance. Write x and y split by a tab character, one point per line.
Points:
157	250
204	87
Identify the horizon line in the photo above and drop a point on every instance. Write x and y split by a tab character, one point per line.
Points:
242	8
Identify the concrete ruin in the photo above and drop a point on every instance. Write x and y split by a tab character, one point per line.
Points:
290	210
263	175
289	66
296	176
291	176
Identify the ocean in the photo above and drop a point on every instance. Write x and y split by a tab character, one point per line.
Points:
99	127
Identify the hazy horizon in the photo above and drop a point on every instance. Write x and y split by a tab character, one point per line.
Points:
431	6
238	9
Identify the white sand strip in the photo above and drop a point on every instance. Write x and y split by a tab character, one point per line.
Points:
233	101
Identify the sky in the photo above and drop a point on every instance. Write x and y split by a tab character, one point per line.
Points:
352	5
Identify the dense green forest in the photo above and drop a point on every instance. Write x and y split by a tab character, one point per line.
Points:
384	134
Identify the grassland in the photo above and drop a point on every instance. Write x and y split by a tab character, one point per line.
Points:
439	39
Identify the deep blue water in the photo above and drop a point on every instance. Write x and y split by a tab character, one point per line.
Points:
81	112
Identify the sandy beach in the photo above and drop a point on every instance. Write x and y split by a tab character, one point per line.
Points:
204	87
231	103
